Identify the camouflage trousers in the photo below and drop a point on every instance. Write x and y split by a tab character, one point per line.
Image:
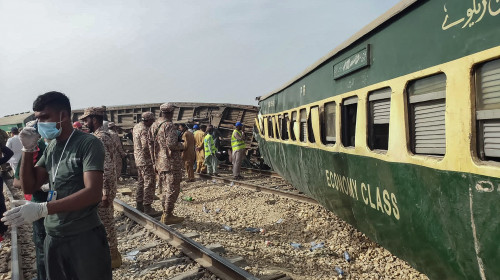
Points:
170	181
118	168
145	185
107	217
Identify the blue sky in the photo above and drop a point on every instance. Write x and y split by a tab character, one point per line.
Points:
118	52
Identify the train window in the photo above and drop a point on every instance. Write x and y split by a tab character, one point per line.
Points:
379	105
488	110
303	125
292	126
329	123
270	131
310	131
261	126
349	110
276	125
427	104
284	127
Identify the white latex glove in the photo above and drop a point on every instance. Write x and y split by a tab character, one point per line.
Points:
26	212
45	187
29	137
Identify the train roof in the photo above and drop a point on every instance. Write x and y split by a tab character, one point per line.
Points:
15	118
397	9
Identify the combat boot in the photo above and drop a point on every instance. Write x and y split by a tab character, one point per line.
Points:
139	206
171	219
149	210
116	258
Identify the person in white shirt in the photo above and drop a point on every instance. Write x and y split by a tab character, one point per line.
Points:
14	143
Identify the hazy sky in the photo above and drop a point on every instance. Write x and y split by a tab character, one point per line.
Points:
114	52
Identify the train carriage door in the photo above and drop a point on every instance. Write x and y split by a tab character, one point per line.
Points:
328	128
379	107
488	110
349	112
303	126
427	100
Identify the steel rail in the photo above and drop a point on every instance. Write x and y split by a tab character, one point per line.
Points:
15	253
205	257
261	188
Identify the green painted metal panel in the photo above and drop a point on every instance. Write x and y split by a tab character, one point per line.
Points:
416	39
420	214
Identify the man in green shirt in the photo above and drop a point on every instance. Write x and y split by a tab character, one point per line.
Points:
75	246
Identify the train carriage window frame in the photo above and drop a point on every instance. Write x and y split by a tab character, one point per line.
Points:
328	124
426	99
293	137
349	111
379	109
284	127
487	110
310	129
303	135
277	131
270	131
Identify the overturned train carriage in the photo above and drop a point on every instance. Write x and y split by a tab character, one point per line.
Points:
398	132
222	116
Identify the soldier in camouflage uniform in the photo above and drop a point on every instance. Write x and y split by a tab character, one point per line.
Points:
120	153
167	161
93	118
144	162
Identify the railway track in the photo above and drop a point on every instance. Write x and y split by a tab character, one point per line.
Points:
210	260
260	180
16	267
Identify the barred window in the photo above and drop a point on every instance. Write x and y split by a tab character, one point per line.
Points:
292	126
488	110
328	127
303	125
379	105
270	131
349	111
427	104
284	127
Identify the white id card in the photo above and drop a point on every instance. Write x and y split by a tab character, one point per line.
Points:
52	195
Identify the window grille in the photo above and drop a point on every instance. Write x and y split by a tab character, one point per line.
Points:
378	119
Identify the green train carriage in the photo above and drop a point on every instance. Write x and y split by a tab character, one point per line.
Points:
398	132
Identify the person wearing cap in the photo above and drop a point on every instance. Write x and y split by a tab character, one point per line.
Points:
15	145
93	118
199	137
167	161
211	160
188	155
238	147
145	191
73	165
120	154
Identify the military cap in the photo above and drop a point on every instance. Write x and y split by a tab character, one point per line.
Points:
111	124
148	116
93	111
167	107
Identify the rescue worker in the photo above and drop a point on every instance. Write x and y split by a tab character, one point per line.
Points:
73	164
93	118
167	160
238	147
143	160
188	155
211	160
199	136
120	154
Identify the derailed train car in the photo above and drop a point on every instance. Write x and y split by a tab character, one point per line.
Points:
398	132
220	115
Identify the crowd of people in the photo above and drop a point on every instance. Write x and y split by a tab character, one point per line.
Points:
69	171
